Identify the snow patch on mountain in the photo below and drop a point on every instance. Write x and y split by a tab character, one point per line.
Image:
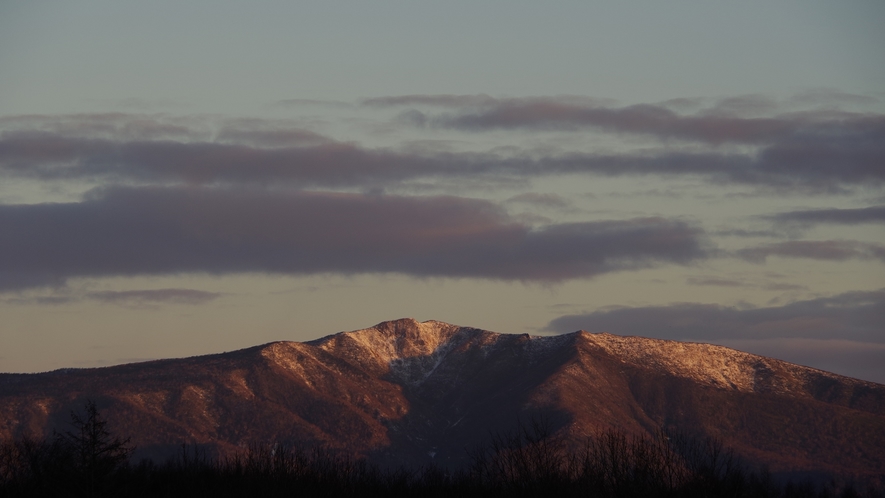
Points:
413	351
417	369
709	364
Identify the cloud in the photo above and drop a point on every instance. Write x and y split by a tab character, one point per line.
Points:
47	156
819	148
872	214
14	278
740	232
335	164
552	201
855	316
726	121
155	296
153	150
131	231
783	287
264	133
52	300
833	250
443	100
774	167
642	118
823	156
715	281
147	298
730	282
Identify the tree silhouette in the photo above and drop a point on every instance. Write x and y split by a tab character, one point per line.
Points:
96	453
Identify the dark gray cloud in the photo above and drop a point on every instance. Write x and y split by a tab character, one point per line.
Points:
643	118
783	287
259	152
155	296
857	316
872	214
52	300
552	201
828	99
726	121
49	157
820	148
834	250
740	232
130	231
715	281
151	149
264	133
14	278
773	167
732	282
52	157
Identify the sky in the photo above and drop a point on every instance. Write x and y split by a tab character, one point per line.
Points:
186	178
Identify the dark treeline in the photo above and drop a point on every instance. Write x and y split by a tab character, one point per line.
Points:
528	461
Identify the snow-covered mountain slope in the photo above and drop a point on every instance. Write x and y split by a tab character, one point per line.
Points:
410	392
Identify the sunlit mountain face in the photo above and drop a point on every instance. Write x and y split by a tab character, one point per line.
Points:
417	393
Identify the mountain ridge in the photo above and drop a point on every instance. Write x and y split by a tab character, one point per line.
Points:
404	391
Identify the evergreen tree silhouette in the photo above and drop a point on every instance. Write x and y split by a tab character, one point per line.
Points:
96	453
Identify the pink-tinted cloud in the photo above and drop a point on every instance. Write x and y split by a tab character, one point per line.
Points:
129	231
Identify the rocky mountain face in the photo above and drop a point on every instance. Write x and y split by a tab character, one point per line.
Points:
416	393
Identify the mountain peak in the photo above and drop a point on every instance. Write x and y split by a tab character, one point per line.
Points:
403	389
405	348
402	338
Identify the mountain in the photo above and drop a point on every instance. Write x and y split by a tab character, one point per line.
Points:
416	393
